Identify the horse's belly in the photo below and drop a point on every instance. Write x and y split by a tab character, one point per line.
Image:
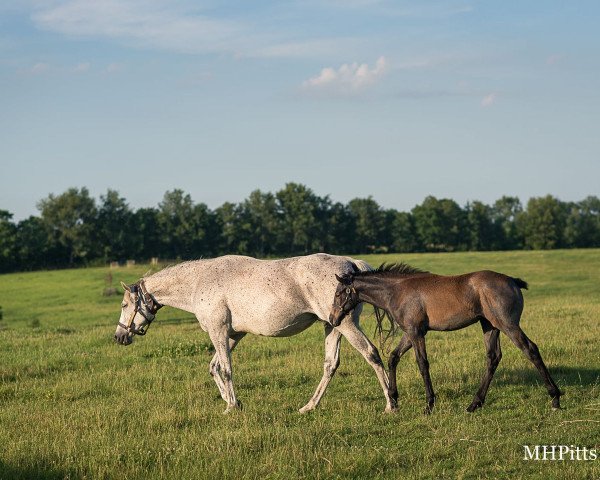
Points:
452	322
277	328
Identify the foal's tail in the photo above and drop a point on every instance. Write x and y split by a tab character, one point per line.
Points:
520	283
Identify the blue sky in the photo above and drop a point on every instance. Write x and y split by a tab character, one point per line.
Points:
399	100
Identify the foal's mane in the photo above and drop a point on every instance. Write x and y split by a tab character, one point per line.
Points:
392	269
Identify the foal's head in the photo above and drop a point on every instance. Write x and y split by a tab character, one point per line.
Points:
138	309
345	300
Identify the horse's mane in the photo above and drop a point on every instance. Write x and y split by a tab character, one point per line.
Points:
392	269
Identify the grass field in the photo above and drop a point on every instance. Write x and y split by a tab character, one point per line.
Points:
75	405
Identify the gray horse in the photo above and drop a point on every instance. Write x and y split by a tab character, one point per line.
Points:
235	295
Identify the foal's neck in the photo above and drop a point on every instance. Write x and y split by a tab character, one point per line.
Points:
373	290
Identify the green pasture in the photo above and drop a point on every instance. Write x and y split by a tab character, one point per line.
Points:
73	404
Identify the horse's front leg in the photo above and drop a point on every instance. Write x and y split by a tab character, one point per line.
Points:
215	367
403	347
220	339
332	360
356	337
417	339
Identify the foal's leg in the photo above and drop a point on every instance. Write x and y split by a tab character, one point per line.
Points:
359	340
418	343
332	360
220	339
531	351
403	347
215	368
491	337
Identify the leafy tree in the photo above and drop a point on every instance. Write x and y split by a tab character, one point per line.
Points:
298	208
33	249
544	223
404	233
232	225
146	234
483	233
369	221
339	229
186	228
8	242
260	223
506	213
70	219
440	225
582	227
114	227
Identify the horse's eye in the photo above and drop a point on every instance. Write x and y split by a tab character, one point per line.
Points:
123	305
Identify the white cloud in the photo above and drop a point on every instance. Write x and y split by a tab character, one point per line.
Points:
554	59
37	69
113	67
489	100
347	79
82	67
148	24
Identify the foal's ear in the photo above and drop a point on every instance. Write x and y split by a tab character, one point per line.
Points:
345	279
127	288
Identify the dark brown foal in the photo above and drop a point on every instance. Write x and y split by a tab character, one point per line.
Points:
419	301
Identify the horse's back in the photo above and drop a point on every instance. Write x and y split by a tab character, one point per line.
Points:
275	297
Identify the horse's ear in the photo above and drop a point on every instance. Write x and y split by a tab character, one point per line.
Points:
339	279
127	288
355	268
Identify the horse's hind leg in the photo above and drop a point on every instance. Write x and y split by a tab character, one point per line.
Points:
403	347
491	337
215	368
532	352
332	361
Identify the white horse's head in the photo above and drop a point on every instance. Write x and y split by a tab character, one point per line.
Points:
138	309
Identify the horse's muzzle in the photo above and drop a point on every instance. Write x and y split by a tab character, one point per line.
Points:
336	316
123	338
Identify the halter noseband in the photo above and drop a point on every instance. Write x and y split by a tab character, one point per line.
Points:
150	307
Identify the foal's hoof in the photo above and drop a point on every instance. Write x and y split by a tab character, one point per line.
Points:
428	410
392	409
474	406
555	403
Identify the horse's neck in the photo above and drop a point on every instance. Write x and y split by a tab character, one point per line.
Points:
377	291
173	287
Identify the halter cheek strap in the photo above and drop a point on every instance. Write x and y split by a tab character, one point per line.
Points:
151	306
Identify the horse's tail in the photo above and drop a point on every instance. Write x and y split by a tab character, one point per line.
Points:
380	315
520	283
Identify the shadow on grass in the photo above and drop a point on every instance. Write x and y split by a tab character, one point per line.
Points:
40	471
573	376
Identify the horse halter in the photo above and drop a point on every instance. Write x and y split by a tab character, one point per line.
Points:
146	305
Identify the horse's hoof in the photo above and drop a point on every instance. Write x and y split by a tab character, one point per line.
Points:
233	408
306	409
391	410
555	404
428	410
474	406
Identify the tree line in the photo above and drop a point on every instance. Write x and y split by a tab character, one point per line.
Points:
74	229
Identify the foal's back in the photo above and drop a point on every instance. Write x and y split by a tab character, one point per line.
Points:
440	302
